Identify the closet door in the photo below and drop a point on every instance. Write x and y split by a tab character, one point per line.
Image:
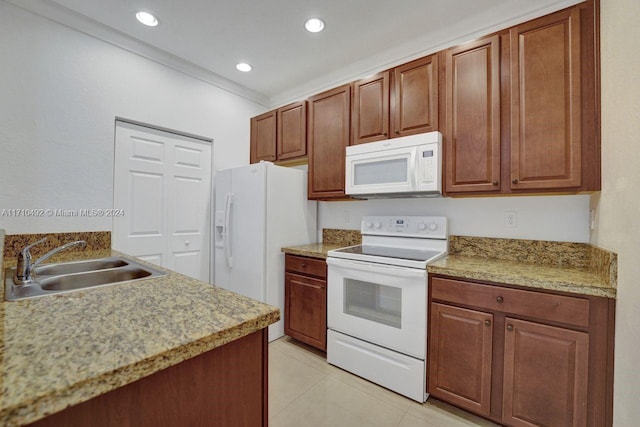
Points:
162	182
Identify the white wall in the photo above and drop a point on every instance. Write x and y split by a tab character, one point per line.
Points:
558	218
60	91
618	205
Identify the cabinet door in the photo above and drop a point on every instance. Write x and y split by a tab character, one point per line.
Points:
328	133
460	357
371	109
545	375
263	138
472	135
292	130
415	97
545	102
305	310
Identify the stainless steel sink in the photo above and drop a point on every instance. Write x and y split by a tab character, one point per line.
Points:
71	282
79	266
53	279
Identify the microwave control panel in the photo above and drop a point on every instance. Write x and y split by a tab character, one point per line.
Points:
427	166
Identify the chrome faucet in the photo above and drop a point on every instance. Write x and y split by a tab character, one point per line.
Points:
25	267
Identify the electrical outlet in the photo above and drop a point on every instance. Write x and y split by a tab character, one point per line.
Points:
510	219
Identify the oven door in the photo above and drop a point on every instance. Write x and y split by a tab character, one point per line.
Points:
381	304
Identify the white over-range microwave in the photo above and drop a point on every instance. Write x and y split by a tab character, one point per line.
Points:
410	166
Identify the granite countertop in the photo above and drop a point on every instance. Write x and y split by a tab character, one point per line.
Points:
565	279
332	238
557	266
59	351
313	250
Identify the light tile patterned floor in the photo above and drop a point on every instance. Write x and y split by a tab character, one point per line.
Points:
304	390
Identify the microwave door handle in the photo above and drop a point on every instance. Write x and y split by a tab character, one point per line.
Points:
414	169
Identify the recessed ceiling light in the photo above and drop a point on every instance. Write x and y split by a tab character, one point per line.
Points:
244	67
314	25
147	19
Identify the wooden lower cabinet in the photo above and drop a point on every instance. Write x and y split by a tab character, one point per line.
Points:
521	357
545	375
226	386
305	306
460	356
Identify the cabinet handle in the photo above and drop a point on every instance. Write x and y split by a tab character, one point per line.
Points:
509	328
487	322
514	180
397	132
303	265
500	300
495	183
384	134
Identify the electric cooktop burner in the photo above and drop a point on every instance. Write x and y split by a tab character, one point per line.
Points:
391	252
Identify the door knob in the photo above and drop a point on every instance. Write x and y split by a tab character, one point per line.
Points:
500	300
487	322
514	180
509	328
495	183
187	243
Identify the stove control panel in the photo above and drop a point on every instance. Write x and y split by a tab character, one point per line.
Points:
433	227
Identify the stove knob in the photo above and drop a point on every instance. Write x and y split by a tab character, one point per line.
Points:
368	224
433	226
422	226
378	225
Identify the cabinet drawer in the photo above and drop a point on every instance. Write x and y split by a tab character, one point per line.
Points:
304	265
540	305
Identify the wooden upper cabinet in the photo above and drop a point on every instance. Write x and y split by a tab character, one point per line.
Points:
546	371
546	102
472	131
415	97
370	109
292	130
263	138
328	131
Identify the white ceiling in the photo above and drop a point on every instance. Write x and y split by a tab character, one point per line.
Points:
361	36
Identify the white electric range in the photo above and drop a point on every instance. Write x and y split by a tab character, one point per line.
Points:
377	301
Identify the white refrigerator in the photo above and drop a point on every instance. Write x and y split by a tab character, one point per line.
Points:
259	209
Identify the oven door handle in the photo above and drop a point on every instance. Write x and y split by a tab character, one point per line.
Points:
371	267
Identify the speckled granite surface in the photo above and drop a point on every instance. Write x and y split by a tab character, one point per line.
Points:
341	237
564	279
560	266
61	350
96	240
313	250
331	239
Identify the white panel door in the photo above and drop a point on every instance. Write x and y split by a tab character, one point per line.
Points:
163	182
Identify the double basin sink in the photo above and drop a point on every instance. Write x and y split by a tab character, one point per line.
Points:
52	279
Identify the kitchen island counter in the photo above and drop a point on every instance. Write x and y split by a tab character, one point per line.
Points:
59	351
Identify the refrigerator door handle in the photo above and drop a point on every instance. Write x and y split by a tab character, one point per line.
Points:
227	230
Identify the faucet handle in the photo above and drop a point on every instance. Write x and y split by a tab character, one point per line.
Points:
25	250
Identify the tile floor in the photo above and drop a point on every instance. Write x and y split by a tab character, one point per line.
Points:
304	390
